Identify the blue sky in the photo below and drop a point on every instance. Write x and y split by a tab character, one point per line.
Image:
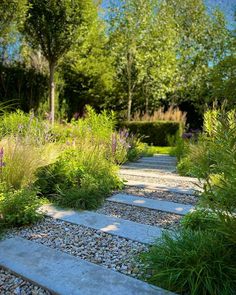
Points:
228	6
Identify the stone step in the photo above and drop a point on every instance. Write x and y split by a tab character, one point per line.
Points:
167	161
154	170
112	225
150	166
137	172
160	187
61	273
156	163
160	157
166	206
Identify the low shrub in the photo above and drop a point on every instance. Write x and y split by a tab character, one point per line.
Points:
80	178
153	133
20	124
192	262
200	219
18	207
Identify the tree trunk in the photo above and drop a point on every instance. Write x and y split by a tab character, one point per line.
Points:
129	76
52	92
129	105
147	105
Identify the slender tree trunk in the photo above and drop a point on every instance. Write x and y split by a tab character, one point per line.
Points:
129	105
147	105
52	92
130	94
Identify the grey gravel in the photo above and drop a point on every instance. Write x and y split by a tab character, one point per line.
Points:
161	181
160	195
97	247
140	215
11	284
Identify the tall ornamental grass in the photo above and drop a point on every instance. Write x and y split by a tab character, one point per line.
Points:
200	258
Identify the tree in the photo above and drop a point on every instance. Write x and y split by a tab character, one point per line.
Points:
87	70
143	37
53	26
12	15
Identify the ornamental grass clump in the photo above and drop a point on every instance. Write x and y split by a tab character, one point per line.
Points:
22	159
192	262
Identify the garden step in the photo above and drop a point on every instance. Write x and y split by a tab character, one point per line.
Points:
139	166
155	170
159	187
64	274
163	159
116	226
167	206
156	175
156	163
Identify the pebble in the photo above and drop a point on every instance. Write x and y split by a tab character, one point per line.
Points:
160	195
92	245
140	215
13	285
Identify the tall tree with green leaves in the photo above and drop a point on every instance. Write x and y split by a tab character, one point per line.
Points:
54	26
203	42
143	38
12	15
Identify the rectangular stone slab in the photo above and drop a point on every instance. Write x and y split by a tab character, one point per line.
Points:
64	274
147	175
160	205
141	167
116	226
161	187
156	161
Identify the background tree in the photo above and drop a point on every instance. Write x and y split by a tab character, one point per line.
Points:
87	70
53	26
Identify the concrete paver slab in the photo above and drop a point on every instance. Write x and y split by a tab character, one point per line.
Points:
64	274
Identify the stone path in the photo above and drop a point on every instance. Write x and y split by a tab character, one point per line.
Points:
82	252
160	205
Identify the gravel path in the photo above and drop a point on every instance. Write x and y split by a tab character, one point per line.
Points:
11	284
159	195
101	248
111	251
140	215
161	180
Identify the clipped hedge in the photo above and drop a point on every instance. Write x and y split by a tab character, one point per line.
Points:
153	133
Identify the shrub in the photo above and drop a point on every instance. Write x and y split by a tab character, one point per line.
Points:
192	262
200	219
20	124
154	133
80	178
18	207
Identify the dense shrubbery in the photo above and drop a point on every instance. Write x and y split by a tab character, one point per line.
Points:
74	165
200	257
154	133
18	207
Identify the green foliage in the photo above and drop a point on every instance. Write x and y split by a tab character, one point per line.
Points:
192	262
21	86
25	126
200	219
86	172
79	179
22	159
155	133
213	159
149	151
18	207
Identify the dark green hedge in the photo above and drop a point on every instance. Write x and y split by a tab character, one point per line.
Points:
153	133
